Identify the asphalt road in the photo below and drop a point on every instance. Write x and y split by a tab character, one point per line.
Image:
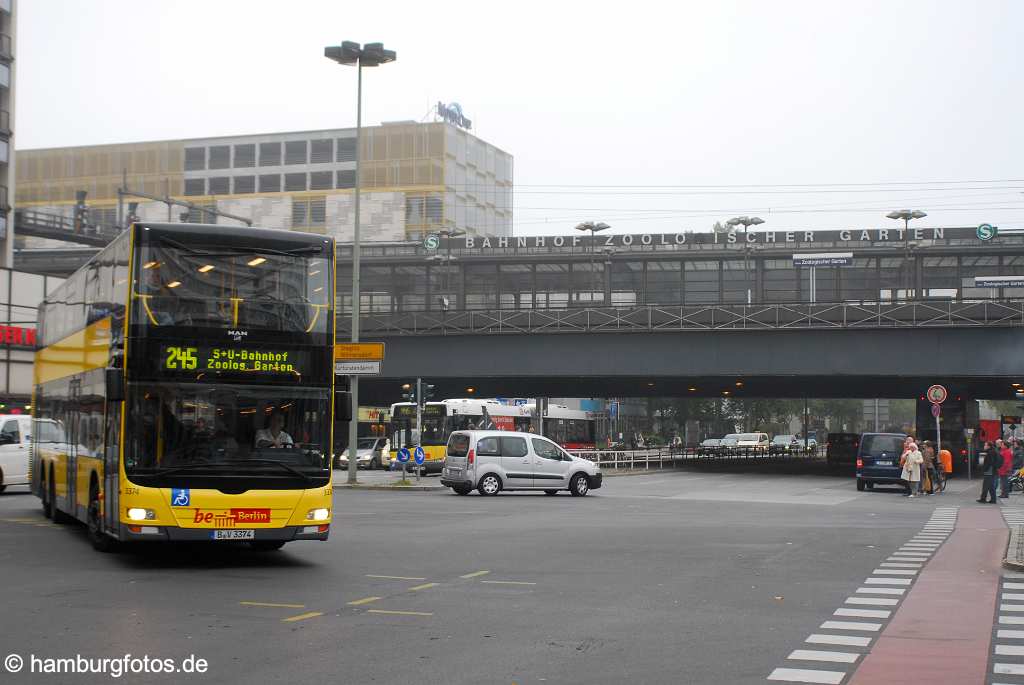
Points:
695	576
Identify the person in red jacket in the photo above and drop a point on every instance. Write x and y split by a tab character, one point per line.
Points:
1004	470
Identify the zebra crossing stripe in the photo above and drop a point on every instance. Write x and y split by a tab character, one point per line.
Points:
805	675
820	655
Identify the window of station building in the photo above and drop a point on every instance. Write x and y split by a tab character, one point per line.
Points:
736	280
346	150
321	180
321	151
309	212
4	151
896	278
270	154
410	288
479	280
220	157
860	281
627	282
245	185
270	183
552	286
195	186
220	185
515	283
780	280
939	277
972	266
700	281
296	152
294	182
346	178
376	291
196	215
5	76
195	158
826	283
587	283
664	282
245	155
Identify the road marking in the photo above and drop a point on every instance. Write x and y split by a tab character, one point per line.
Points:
302	617
819	655
395	577
1008	669
1011	607
399	613
1013	586
273	604
881	590
1018	634
805	675
894	572
862	613
850	625
364	600
421	587
847	640
475	574
506	582
1009	650
1011	595
891	564
893	581
873	601
1012	620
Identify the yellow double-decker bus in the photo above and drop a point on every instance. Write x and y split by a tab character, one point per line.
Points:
184	388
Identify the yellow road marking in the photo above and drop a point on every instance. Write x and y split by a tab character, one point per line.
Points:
475	574
395	577
364	600
506	582
399	613
23	520
303	617
273	604
422	587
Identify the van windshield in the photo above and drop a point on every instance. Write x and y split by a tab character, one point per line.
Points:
875	445
750	437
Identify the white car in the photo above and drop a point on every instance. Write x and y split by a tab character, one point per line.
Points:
15	449
492	461
368	454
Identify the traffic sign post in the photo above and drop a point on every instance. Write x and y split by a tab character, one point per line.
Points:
937	394
970	450
403	459
419	456
937	412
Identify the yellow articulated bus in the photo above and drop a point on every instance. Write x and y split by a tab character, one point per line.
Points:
184	388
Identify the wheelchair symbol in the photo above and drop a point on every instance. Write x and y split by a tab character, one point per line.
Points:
180	497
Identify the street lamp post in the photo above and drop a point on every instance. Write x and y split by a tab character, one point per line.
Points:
906	215
593	228
350	54
746	222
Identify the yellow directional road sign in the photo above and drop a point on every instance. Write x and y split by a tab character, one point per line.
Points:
373	351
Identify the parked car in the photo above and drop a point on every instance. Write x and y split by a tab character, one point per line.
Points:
727	445
785	444
752	444
492	461
709	447
841	449
15	449
878	459
368	454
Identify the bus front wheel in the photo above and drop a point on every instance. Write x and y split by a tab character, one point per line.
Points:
101	542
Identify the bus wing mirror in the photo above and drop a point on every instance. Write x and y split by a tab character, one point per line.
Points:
115	385
342	405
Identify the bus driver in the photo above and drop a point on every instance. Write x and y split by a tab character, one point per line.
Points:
273	436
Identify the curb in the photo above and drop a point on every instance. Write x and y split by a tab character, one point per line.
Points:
1015	549
391	488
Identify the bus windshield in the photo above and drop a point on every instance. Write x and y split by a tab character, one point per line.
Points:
228	430
211	286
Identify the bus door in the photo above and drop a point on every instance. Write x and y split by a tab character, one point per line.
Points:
71	448
111	463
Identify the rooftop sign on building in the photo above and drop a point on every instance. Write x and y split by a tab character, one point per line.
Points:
453	115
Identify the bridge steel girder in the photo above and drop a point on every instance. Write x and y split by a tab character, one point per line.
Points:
981	362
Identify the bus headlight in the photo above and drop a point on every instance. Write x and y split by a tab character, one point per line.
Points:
318	514
137	514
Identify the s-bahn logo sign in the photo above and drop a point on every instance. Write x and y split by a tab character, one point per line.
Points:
987	232
431	242
452	113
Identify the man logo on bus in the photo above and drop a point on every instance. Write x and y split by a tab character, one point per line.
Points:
238	335
180	497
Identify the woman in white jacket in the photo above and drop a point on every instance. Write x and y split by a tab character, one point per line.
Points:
911	461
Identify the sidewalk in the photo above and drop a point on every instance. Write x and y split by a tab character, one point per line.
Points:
387	480
941	633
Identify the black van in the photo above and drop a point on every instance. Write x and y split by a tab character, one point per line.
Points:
841	449
878	459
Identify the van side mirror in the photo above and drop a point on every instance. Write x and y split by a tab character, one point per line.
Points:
115	385
342	405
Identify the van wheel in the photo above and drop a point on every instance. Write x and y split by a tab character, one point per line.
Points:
489	485
101	542
551	492
462	489
860	485
579	486
268	545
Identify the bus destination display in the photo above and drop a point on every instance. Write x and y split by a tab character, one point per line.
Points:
201	359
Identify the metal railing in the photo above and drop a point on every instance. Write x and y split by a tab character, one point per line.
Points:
56	226
666	457
655	318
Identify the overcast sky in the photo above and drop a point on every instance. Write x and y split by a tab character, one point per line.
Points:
644	115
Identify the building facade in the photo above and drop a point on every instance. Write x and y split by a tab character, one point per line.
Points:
20	295
8	42
417	178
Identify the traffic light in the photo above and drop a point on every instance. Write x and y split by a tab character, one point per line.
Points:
428	391
409	393
81	216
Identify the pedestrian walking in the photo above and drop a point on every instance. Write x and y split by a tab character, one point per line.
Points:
1004	468
929	468
989	467
1018	454
911	461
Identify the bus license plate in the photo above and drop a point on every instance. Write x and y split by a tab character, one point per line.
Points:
233	534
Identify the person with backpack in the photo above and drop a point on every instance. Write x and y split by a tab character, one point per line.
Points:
989	461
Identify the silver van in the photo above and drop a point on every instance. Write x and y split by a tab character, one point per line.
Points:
491	461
